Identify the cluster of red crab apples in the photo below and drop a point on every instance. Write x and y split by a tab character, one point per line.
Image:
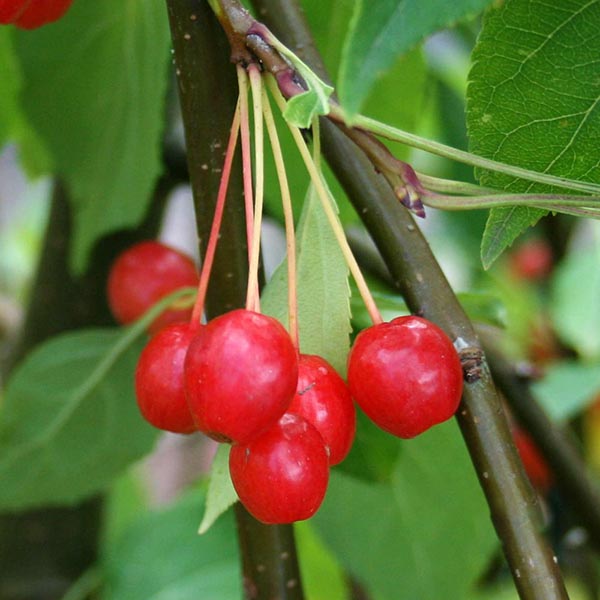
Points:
288	416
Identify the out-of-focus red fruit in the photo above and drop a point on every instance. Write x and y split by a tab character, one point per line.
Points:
31	14
142	275
537	469
532	260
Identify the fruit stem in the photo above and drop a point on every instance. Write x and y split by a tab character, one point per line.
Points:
288	216
325	198
217	220
246	156
252	297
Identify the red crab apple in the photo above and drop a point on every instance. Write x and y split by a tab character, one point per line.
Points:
142	275
324	400
282	475
159	379
240	375
30	14
405	375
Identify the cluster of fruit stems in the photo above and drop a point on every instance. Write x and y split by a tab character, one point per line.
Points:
253	198
414	190
424	287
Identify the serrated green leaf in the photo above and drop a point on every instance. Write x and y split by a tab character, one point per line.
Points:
434	490
221	493
323	291
382	31
574	308
94	88
503	226
533	102
161	557
567	388
69	422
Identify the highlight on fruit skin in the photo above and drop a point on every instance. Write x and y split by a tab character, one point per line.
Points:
31	14
405	375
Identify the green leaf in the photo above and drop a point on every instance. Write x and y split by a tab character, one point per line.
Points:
434	490
503	226
221	493
161	557
13	123
567	388
533	102
373	454
323	291
382	31
300	110
322	575
482	307
69	422
574	308
94	88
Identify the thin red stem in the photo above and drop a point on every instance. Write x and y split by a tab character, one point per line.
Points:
217	219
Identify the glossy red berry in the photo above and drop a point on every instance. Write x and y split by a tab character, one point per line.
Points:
281	476
159	379
323	399
30	14
144	274
405	375
535	465
240	375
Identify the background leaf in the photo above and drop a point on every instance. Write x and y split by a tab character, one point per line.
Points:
567	388
382	31
221	493
533	101
13	122
95	94
575	305
433	490
69	422
161	557
323	291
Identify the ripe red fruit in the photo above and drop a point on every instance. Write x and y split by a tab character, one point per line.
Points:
30	14
405	375
282	475
159	379
240	375
144	274
535	465
324	400
532	260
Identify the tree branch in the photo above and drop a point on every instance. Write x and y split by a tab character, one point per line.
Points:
208	92
579	491
512	502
